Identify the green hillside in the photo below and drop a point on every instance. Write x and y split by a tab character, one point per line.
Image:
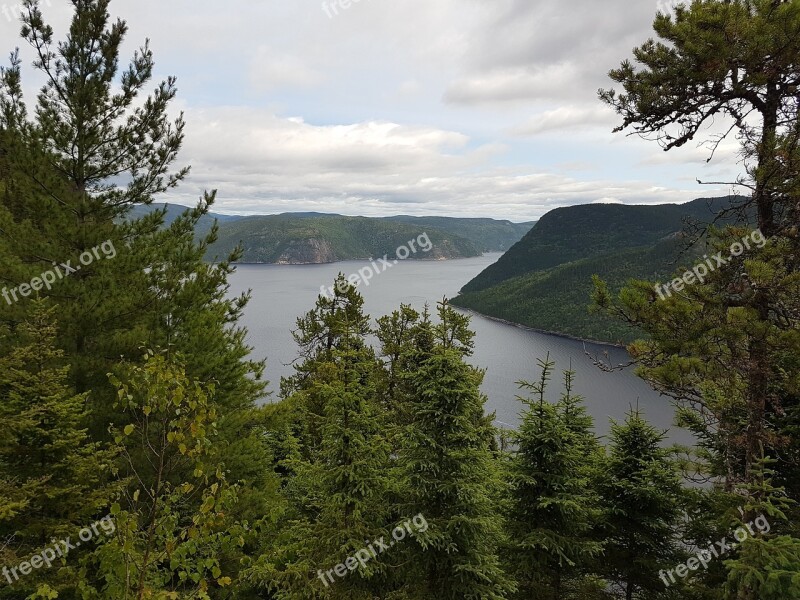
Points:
576	232
309	237
490	235
545	281
304	239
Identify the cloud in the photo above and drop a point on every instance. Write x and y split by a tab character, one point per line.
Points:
270	69
567	118
512	85
264	163
538	50
477	107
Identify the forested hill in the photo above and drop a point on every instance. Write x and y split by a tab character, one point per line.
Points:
310	238
545	280
304	238
490	235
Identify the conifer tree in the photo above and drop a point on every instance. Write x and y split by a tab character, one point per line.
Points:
396	334
56	481
94	147
767	563
335	323
640	494
452	476
553	508
340	474
725	348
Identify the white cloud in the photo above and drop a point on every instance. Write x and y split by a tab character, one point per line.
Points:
476	107
271	69
263	163
512	85
568	118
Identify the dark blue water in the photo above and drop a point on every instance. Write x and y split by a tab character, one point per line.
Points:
508	353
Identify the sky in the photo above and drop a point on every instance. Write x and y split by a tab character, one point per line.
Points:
468	108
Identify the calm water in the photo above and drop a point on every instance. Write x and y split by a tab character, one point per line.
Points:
282	293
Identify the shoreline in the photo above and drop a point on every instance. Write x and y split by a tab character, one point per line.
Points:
542	331
335	262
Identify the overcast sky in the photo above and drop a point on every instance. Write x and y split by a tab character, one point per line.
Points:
449	107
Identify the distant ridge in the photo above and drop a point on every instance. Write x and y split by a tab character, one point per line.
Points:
313	238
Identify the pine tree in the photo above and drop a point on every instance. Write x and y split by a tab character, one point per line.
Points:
452	477
725	349
640	493
93	148
720	58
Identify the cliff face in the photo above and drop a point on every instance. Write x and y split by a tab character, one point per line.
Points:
311	251
445	250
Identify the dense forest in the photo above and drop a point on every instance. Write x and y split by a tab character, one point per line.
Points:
314	238
141	456
545	280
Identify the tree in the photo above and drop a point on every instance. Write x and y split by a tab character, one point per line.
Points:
723	348
397	333
339	470
93	148
767	566
452	477
736	59
553	507
640	493
172	532
56	481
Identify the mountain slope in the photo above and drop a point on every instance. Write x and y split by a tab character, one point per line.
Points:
489	235
176	210
576	232
309	239
545	280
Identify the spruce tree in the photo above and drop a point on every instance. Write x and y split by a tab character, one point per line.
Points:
553	508
339	472
641	497
452	476
56	481
767	564
396	334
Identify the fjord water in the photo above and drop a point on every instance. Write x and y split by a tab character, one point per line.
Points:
281	293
